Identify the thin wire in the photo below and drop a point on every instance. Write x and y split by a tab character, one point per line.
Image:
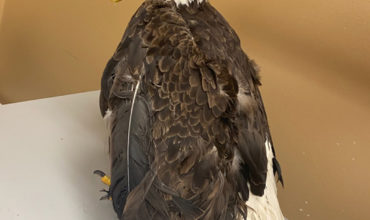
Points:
128	135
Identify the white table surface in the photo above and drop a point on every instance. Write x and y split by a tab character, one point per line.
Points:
48	151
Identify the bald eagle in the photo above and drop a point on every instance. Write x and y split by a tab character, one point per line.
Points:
189	137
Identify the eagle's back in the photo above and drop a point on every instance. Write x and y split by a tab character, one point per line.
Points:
197	130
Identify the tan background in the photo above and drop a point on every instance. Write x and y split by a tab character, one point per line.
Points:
315	65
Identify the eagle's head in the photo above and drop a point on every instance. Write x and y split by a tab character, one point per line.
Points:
178	2
187	2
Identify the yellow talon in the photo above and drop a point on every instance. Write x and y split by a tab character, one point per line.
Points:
106	180
115	1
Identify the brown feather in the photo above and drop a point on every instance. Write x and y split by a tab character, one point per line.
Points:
192	71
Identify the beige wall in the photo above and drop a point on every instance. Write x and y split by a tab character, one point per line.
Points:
315	65
57	47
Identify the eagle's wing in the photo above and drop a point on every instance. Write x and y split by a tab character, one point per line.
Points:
118	84
182	108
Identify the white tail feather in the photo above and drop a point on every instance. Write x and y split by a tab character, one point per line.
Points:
266	207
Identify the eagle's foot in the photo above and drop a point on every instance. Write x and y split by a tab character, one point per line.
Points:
106	180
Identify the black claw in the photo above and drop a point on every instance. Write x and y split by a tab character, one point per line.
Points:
104	190
106	197
99	173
